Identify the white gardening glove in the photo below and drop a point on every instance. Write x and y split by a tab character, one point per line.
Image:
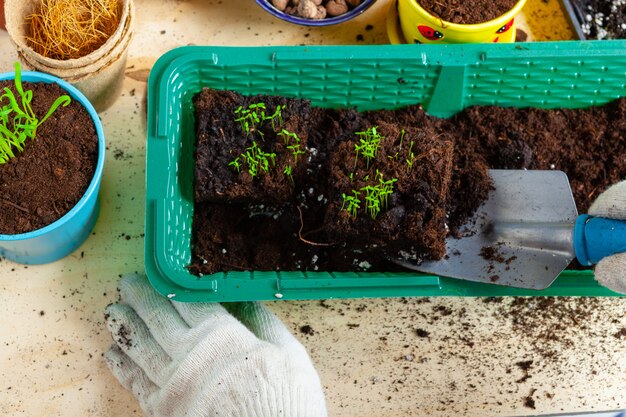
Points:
197	359
611	271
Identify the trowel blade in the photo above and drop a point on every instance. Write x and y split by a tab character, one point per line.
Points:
522	236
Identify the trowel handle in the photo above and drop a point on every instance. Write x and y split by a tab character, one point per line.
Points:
597	237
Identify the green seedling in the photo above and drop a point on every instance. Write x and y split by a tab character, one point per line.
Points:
401	137
288	171
295	151
295	143
235	163
411	158
252	117
369	143
278	115
255	159
376	197
353	203
385	188
289	136
17	120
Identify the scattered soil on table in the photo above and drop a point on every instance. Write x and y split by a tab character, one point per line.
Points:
525	367
269	235
529	401
467	12
44	182
501	350
422	333
307	330
602	19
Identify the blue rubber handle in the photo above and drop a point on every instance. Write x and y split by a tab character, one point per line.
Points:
596	238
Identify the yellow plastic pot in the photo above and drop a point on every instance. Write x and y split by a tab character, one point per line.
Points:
419	26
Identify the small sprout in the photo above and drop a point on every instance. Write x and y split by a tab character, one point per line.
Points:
372	203
258	106
235	163
411	158
369	143
287	135
278	115
402	137
353	203
385	188
352	177
256	159
295	151
295	146
250	118
376	197
288	171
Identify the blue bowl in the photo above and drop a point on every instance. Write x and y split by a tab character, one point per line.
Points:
65	235
267	5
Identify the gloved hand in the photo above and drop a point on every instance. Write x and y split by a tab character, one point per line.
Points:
197	359
611	271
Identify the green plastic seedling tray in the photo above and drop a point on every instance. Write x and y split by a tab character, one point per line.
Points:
445	79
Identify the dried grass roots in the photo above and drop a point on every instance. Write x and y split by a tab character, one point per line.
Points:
71	29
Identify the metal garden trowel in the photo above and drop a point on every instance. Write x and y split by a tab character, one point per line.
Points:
525	234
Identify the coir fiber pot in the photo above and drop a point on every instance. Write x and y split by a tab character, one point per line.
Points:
350	14
419	26
99	75
65	235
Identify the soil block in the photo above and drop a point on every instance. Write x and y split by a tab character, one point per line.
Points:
221	140
47	179
274	220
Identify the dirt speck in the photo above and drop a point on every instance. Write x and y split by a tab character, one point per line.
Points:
307	330
422	333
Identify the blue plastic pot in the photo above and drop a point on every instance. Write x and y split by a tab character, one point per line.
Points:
267	5
65	235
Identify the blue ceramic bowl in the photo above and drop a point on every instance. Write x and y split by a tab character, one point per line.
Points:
62	237
267	5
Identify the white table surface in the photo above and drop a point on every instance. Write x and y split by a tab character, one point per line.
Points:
369	353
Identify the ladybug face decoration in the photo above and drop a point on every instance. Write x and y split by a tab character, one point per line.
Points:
430	33
506	27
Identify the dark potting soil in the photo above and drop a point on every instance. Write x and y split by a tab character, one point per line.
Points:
467	12
602	19
273	220
44	182
587	144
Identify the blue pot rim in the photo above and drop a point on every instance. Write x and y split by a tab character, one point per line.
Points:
35	77
265	4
